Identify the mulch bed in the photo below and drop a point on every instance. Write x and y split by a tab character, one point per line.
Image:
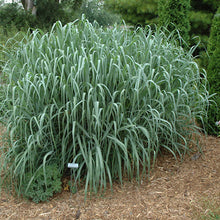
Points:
176	190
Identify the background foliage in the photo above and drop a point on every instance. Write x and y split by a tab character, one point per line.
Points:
12	14
174	14
214	74
201	15
146	13
135	12
50	11
97	11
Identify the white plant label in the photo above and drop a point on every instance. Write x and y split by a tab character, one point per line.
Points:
73	165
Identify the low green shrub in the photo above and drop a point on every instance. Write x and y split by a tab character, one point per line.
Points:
43	185
108	99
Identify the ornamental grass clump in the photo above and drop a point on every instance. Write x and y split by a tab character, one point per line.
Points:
108	99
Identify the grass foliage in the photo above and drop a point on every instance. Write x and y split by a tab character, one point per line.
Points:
107	99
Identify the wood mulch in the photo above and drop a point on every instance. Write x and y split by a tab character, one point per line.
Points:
176	190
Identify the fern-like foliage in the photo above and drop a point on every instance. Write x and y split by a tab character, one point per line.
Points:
43	185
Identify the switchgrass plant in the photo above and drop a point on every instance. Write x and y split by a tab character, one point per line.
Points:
108	99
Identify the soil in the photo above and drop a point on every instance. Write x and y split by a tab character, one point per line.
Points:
177	190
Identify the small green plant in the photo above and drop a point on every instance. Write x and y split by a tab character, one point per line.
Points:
43	185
